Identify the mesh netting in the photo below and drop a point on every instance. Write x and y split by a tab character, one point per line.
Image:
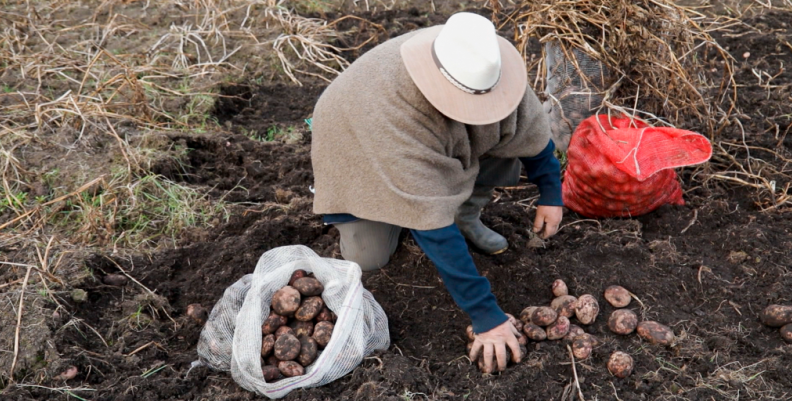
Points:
231	339
574	87
622	167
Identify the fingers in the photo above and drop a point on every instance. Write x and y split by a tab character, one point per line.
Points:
515	349
488	355
552	226
550	230
475	350
547	221
500	354
514	330
539	222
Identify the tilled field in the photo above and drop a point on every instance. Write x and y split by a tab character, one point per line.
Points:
705	269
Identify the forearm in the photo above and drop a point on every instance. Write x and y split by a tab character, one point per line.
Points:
447	249
544	170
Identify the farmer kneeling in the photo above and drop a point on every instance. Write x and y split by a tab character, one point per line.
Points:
416	134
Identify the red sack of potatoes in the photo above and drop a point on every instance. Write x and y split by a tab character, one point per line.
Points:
618	167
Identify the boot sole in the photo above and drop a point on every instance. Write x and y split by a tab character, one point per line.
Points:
499	252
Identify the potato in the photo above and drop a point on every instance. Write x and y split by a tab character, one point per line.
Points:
525	315
309	309
480	364
301	328
777	315
267	343
286	301
622	321
284	330
272	360
326	315
587	309
287	347
617	296
118	280
323	331
534	332
271	373
197	313
509	357
308	286
291	368
558	329
786	333
272	323
515	322
308	351
574	331
68	374
582	346
471	336
521	338
544	316
656	333
480	360
297	275
560	288
620	364
564	305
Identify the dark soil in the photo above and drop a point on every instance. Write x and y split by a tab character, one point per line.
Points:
705	269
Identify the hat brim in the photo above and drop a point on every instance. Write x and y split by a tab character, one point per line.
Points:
454	103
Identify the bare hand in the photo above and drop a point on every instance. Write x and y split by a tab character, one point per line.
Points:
493	344
548	218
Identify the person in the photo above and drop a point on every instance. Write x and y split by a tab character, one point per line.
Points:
416	134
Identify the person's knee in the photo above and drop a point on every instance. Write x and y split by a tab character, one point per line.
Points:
367	243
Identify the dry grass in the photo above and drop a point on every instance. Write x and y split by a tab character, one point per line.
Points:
655	52
114	68
89	92
664	66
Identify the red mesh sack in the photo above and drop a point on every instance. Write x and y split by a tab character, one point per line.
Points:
620	168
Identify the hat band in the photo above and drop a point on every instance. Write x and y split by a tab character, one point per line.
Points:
455	82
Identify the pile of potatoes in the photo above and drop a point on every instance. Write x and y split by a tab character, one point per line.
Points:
298	327
625	322
540	323
779	316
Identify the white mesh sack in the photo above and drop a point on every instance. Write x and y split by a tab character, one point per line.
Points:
574	89
231	338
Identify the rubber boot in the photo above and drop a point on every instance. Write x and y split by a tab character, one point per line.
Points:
468	220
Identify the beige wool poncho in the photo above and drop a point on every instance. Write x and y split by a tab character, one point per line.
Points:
382	152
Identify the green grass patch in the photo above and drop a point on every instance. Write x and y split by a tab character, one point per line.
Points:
135	212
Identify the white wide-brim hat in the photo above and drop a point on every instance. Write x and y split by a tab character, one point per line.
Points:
465	70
